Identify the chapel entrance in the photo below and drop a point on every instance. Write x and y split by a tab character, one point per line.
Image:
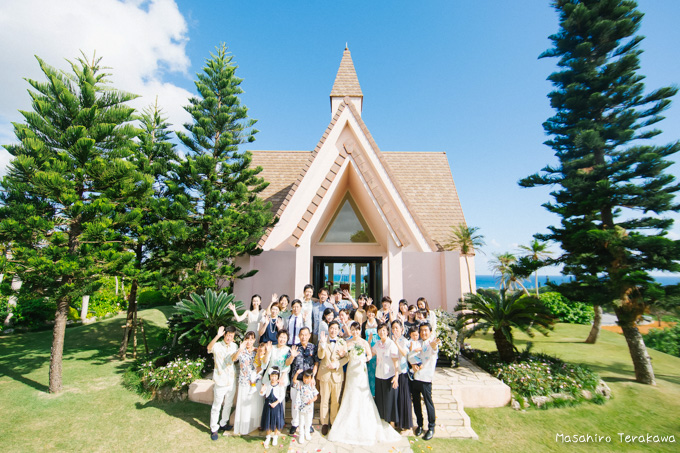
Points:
358	275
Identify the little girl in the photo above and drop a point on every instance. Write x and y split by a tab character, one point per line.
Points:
304	399
261	360
272	412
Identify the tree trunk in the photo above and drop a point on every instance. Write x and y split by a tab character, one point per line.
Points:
505	349
58	345
132	310
467	264
597	321
644	373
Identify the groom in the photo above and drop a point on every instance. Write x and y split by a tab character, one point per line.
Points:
333	355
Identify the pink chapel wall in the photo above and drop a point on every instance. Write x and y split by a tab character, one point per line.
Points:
434	276
276	274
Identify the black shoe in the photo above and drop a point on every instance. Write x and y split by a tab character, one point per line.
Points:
429	434
419	431
324	430
214	435
292	430
311	429
226	427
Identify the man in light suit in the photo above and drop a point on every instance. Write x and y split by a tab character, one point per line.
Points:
333	355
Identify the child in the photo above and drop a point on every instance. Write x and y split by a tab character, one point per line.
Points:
305	397
272	412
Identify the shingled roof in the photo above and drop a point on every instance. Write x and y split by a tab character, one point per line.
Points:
346	81
430	191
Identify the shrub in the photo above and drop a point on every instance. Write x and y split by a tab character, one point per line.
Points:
152	298
566	310
33	312
664	340
538	374
178	373
447	333
104	303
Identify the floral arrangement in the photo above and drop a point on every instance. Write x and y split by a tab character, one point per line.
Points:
357	350
178	373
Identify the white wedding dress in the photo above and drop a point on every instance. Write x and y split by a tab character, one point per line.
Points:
358	421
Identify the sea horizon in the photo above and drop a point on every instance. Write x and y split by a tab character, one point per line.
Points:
489	281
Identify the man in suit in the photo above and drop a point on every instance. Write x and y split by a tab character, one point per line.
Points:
332	353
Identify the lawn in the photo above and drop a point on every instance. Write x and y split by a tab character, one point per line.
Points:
95	412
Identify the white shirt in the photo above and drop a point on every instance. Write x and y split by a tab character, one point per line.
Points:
403	364
429	358
385	353
279	391
225	373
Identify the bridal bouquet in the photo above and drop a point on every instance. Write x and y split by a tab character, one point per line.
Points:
357	350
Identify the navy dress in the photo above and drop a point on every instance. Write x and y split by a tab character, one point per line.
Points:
272	417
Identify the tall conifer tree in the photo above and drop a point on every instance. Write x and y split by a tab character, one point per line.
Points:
612	188
69	175
214	188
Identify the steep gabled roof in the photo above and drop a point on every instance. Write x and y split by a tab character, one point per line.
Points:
430	190
346	81
280	169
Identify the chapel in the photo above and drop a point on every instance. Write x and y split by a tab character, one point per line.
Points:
354	217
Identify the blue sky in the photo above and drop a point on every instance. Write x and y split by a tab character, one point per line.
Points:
453	76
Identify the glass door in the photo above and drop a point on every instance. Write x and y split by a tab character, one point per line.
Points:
358	275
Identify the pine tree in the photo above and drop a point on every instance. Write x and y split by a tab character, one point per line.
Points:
145	231
214	189
612	188
69	175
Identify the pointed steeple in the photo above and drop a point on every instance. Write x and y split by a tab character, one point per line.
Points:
346	84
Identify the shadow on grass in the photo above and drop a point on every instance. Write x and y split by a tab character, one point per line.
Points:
194	414
96	343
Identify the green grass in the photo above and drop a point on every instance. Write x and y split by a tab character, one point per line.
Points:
636	409
94	412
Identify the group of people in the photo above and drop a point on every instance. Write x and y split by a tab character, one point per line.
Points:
372	366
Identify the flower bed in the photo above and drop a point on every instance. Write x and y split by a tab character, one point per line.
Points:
541	380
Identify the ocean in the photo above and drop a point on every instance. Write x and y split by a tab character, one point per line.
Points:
489	281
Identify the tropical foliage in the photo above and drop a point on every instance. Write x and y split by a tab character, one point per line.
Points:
501	312
664	340
198	318
465	240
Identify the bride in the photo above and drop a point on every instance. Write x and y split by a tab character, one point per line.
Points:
358	421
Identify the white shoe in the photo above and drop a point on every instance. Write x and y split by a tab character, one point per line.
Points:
266	441
275	442
308	435
301	439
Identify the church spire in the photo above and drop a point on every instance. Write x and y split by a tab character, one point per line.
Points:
346	84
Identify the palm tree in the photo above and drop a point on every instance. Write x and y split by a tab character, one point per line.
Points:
503	267
491	309
465	240
536	251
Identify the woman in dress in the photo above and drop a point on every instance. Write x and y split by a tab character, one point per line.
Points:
254	314
386	375
358	421
431	317
248	402
271	324
404	404
370	331
272	412
280	358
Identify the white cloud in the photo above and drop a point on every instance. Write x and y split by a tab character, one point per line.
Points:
140	40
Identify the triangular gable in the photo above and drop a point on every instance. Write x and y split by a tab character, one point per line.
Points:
347	224
374	175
